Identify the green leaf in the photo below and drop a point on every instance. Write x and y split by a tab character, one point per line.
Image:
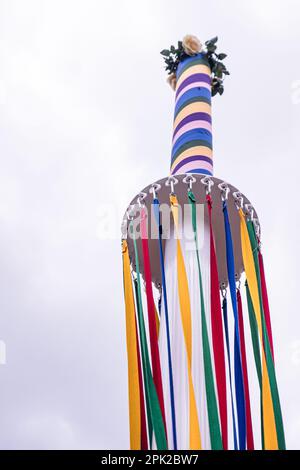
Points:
211	47
218	70
211	62
165	52
212	41
222	56
172	49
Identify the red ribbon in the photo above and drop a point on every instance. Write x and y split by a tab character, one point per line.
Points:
151	316
249	430
217	332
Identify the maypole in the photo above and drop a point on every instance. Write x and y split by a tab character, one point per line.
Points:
191	255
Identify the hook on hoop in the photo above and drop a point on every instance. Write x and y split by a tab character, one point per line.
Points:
225	190
155	187
171	181
189	179
238	199
141	197
208	182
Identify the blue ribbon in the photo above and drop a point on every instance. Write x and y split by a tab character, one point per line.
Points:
225	317
238	373
164	290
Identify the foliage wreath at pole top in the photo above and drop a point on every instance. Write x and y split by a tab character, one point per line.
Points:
191	46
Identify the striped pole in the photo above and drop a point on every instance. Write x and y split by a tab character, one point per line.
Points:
192	137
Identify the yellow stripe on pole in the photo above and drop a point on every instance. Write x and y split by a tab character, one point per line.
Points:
198	107
132	352
199	68
186	319
197	150
269	425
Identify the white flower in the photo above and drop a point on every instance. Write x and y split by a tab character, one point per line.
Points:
191	44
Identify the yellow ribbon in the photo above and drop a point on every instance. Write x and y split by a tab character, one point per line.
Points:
132	351
186	319
269	425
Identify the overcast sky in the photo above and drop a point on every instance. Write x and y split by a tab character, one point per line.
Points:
85	120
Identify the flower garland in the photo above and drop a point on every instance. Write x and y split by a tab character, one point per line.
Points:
189	46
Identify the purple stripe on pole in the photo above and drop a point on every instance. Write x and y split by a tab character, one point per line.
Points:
194	158
193	117
196	77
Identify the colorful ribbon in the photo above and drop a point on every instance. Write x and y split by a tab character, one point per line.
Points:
249	430
146	367
212	408
265	300
132	354
154	413
254	334
185	310
267	353
269	426
152	315
145	390
238	372
256	352
166	311
144	437
225	317
217	331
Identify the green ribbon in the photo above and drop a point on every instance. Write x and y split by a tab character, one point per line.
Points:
256	352
155	419
266	345
254	335
212	408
